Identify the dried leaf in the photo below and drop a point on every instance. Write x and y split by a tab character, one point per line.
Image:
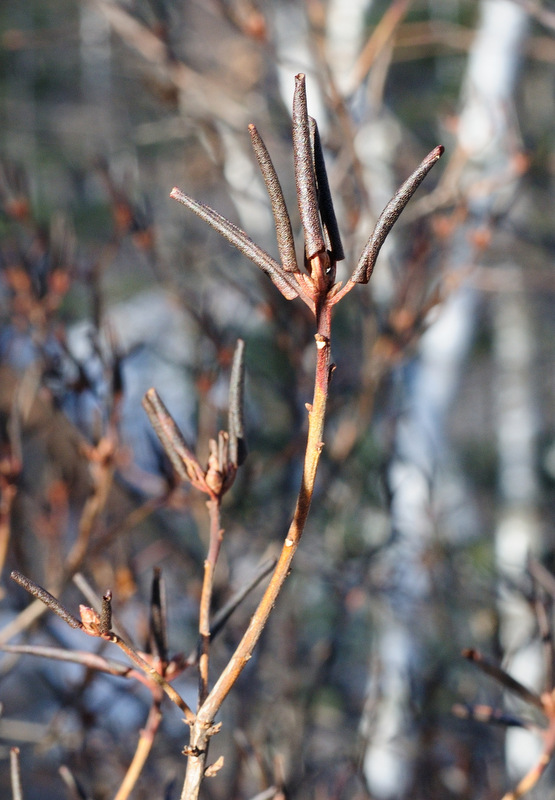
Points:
239	239
45	597
390	215
182	458
284	231
305	177
325	202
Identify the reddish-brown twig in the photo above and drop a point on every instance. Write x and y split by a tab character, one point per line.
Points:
545	703
315	287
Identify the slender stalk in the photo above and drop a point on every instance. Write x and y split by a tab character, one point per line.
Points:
94	506
316	416
504	679
8	492
216	535
15	774
203	728
144	746
532	777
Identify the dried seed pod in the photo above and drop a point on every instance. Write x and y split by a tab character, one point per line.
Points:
45	597
390	215
284	231
182	458
239	239
325	202
305	176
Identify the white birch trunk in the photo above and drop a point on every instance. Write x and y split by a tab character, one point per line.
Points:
517	534
483	134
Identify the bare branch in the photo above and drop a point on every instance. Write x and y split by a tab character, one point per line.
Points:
82	657
15	774
504	679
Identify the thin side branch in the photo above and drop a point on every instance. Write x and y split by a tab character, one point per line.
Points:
316	415
216	536
153	675
504	679
144	746
15	774
226	611
82	657
92	626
